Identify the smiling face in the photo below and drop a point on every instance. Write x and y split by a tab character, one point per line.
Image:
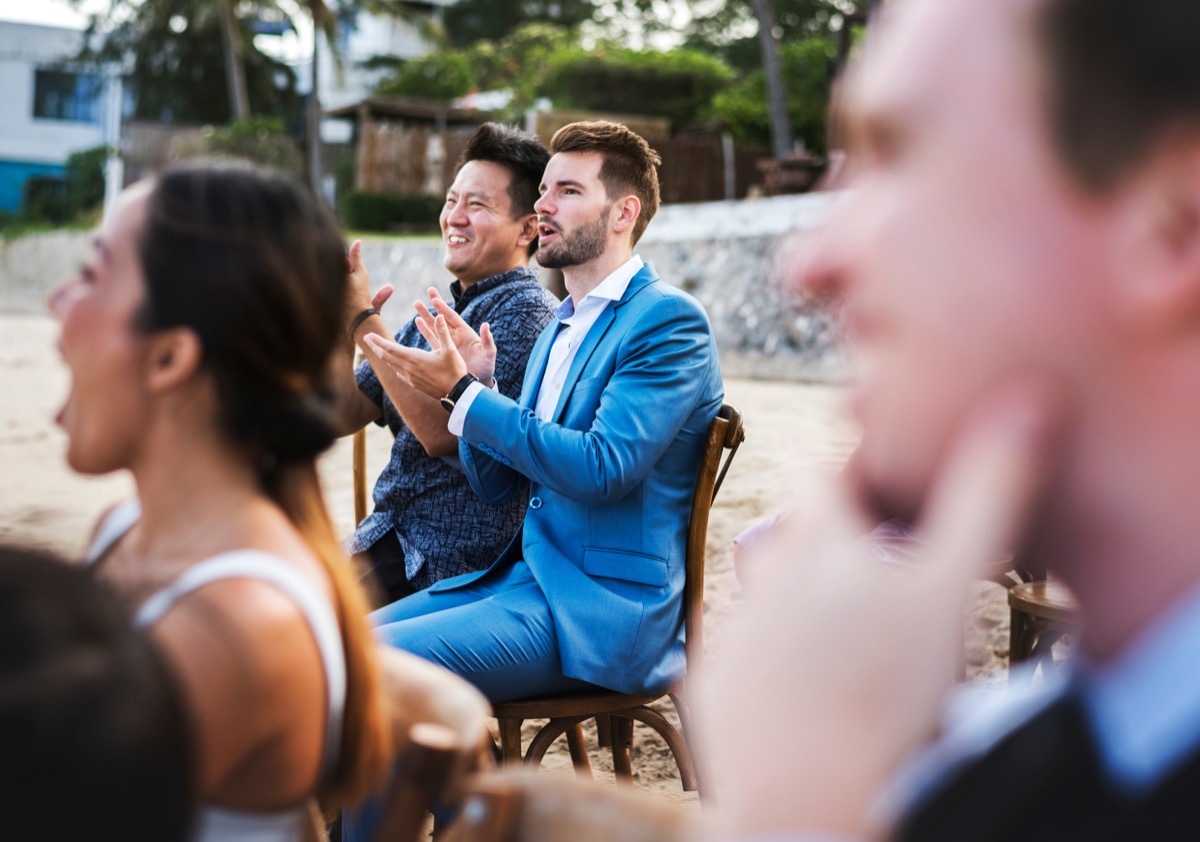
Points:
104	412
963	253
573	211
481	237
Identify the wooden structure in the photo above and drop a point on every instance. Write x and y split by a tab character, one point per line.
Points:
406	146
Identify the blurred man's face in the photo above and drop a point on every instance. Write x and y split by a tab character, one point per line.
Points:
964	254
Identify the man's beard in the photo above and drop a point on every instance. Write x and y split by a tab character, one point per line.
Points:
584	244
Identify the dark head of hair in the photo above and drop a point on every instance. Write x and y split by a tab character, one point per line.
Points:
521	153
257	268
628	163
1121	76
93	732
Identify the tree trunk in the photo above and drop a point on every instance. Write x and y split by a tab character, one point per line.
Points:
313	121
781	124
235	68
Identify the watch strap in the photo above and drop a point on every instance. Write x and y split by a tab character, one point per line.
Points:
456	393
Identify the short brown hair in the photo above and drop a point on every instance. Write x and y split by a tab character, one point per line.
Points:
1121	76
628	162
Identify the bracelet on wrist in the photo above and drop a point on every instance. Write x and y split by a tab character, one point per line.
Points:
360	318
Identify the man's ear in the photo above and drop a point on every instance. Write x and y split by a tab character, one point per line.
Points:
529	231
624	213
173	357
1160	271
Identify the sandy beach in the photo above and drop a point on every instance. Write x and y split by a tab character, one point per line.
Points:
789	427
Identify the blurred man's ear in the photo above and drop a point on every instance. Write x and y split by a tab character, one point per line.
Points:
1161	260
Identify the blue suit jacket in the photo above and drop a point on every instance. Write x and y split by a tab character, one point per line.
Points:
612	476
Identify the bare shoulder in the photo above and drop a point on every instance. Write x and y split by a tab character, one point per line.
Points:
250	671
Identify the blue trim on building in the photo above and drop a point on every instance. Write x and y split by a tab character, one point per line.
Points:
14	175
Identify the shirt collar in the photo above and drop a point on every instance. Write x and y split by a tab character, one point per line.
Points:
612	288
1144	703
463	297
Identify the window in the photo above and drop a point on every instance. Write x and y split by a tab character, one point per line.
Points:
64	95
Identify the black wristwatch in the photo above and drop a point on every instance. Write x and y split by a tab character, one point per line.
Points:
456	393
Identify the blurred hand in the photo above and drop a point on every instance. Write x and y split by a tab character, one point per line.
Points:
832	670
358	290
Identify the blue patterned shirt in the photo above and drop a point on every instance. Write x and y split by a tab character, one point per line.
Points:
444	529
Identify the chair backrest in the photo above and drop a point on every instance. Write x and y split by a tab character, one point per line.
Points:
726	433
516	806
441	737
358	458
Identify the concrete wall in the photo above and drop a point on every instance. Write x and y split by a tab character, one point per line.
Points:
726	254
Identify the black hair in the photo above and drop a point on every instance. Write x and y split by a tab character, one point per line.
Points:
257	268
1121	76
94	738
521	153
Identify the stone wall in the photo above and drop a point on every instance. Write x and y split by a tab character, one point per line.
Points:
726	254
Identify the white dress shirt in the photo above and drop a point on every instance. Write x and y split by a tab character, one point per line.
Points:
575	322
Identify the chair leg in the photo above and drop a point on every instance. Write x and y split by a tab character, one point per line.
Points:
510	740
622	740
579	755
603	730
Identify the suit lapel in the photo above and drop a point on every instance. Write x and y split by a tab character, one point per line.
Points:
645	276
535	370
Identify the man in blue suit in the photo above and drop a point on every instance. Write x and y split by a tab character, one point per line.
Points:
609	429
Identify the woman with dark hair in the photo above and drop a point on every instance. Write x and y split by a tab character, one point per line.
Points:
198	336
92	727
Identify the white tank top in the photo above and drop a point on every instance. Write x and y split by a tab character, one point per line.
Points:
218	823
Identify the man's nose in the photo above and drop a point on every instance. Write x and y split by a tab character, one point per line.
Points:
457	215
542	205
815	262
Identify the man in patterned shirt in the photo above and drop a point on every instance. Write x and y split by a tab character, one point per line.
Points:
427	523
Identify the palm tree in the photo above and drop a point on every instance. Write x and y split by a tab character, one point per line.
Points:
781	124
235	67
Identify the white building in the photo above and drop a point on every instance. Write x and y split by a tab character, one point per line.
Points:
361	38
47	108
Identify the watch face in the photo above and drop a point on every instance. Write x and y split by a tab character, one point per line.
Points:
447	404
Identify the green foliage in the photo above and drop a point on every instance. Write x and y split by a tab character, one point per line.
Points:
176	63
259	139
471	21
806	65
445	74
85	180
73	198
729	30
521	61
364	211
678	85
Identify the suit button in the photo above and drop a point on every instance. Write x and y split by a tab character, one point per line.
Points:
535	502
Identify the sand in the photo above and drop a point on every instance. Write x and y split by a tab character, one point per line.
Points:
789	426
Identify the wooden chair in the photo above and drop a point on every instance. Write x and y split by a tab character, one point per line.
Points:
1041	612
439	723
615	713
515	806
358	458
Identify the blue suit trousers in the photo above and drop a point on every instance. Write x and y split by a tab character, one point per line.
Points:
497	633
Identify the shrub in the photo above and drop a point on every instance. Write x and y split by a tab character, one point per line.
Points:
365	211
678	85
